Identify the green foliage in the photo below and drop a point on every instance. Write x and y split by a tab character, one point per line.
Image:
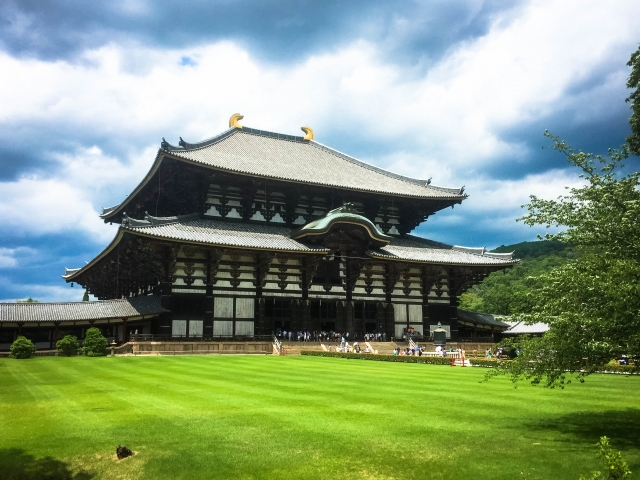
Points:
533	249
22	347
28	300
68	345
634	82
380	358
94	344
616	467
85	297
471	301
592	302
507	292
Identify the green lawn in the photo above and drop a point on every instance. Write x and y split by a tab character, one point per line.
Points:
301	417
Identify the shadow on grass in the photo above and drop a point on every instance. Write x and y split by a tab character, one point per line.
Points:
16	464
621	426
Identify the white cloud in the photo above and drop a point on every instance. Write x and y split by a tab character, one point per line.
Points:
445	124
41	206
42	293
14	257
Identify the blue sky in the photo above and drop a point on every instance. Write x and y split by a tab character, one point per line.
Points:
459	91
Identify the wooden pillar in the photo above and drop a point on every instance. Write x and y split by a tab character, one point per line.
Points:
263	263
259	317
305	315
54	339
380	318
166	300
349	319
124	330
453	304
340	317
389	321
207	325
295	316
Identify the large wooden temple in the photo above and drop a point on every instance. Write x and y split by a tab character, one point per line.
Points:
252	233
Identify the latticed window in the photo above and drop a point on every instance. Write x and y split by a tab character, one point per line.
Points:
324	309
366	310
276	308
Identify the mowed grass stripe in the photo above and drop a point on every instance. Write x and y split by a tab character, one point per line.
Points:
303	417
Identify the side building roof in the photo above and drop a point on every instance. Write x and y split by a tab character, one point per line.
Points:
262	154
77	311
481	319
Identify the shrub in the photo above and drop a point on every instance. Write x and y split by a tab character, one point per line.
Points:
22	347
485	362
68	346
616	467
94	345
380	358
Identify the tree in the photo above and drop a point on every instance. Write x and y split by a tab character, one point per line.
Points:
85	297
28	300
592	303
68	345
94	345
634	82
506	292
22	347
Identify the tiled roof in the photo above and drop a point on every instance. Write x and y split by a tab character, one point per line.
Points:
190	229
70	311
416	249
285	157
232	234
481	318
521	328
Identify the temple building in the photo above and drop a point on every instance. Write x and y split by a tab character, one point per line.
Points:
252	233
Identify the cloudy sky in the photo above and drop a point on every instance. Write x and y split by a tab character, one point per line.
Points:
460	91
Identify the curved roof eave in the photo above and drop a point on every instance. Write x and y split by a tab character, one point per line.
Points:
75	273
390	258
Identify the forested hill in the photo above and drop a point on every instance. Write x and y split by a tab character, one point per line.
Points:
505	292
532	249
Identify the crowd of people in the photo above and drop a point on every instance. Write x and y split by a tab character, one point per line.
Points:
324	336
344	347
415	351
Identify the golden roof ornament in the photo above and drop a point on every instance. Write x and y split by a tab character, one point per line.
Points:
308	131
233	121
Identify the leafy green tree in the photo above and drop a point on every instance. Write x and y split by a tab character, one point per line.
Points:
616	467
471	301
28	300
634	82
85	297
22	347
507	292
68	346
94	344
592	303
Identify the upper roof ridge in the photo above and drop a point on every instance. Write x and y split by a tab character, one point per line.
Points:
383	171
185	146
